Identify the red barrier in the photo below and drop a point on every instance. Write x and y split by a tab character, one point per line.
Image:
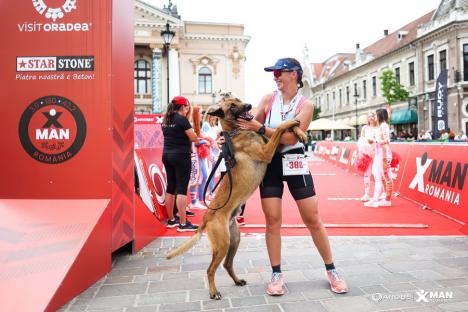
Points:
430	174
67	144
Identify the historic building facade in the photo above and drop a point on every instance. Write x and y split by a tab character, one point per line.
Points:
347	85
202	59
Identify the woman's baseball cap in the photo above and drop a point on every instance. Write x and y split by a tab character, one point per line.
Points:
284	64
180	100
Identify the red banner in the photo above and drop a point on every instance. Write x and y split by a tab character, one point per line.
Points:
435	176
432	174
152	180
148	133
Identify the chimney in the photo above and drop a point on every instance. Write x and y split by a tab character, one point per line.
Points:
358	46
385	32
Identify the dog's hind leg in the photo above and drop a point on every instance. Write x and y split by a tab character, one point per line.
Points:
234	234
219	238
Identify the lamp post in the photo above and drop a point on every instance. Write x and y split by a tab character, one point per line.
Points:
167	36
356	96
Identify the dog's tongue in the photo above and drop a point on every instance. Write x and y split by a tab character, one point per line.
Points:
246	116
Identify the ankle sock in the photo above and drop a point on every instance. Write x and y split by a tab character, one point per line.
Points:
330	266
276	268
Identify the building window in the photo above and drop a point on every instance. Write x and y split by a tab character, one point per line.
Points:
364	89
347	95
465	62
204	80
397	74
142	77
355	90
334	101
328	102
374	86
411	74
443	60
341	97
430	67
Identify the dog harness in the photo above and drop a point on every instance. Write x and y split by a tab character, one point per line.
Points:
227	153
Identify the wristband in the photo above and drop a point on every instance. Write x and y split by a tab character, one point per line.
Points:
262	130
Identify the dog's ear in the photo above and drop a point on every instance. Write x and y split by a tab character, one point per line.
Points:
217	112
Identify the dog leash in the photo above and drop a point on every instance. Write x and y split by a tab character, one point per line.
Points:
227	153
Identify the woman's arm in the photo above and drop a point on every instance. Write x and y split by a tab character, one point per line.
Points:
304	116
192	136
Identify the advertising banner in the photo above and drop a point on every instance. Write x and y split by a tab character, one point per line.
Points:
148	133
440	106
55	99
435	176
152	180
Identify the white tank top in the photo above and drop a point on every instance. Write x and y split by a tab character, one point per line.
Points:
280	112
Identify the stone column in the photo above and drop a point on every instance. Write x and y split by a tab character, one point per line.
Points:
174	77
156	81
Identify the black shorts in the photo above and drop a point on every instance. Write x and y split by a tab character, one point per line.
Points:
300	186
178	167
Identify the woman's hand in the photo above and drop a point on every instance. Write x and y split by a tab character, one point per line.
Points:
253	124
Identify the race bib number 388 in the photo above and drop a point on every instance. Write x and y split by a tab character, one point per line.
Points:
295	164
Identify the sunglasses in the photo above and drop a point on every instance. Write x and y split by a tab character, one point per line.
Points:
277	73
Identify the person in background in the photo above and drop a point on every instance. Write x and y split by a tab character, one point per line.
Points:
461	136
285	104
178	135
428	135
451	135
444	136
382	161
366	145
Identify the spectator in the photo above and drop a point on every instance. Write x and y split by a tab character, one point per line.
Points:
461	136
444	136
427	135
178	135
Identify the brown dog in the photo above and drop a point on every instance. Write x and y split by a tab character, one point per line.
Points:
253	152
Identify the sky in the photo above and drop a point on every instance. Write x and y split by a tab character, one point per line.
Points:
281	28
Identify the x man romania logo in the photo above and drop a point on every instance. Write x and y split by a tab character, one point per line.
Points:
54	12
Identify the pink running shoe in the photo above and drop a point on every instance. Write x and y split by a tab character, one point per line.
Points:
337	284
275	288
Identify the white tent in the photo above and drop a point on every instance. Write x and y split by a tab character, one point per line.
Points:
328	124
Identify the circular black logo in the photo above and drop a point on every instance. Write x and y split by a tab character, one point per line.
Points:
52	129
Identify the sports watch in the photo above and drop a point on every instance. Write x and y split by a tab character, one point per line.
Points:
262	130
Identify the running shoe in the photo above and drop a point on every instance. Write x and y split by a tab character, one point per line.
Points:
187	227
371	203
173	223
365	198
337	284
275	287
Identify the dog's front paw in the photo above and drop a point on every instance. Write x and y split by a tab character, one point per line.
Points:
300	134
241	282
288	124
216	296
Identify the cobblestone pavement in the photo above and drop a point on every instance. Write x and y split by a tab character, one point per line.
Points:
384	274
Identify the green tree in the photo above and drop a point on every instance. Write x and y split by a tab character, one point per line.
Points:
317	111
392	91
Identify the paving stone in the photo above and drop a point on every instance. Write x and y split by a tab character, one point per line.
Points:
302	306
180	307
456	306
370	265
215	304
122	289
160	298
349	304
317	294
175	285
248	301
112	302
142	309
261	308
